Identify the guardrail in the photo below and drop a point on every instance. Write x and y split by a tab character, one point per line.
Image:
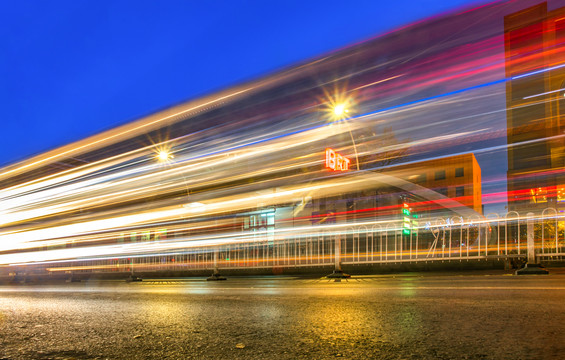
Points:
494	236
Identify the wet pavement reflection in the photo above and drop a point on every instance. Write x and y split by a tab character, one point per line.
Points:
406	316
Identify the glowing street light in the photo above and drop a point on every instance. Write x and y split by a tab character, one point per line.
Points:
340	110
340	113
164	155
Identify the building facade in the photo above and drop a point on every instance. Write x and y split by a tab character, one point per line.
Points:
535	67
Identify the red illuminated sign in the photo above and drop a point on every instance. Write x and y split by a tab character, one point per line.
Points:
336	161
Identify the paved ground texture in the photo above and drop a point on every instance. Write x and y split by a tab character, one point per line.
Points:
409	316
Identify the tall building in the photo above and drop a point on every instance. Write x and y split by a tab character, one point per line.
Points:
535	99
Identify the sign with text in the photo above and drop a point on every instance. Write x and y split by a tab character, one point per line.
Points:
335	161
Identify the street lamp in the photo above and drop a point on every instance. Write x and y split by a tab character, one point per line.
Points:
164	155
340	112
338	106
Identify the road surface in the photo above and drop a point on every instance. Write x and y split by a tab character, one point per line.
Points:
409	316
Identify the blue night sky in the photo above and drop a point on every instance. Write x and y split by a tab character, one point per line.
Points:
70	69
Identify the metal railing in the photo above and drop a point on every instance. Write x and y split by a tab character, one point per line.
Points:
494	236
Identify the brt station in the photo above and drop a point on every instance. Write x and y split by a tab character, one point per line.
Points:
303	225
276	238
375	156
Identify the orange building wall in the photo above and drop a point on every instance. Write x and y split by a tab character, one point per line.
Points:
470	181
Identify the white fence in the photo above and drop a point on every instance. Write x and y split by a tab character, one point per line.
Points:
502	237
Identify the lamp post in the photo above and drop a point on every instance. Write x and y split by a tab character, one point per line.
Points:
340	112
163	155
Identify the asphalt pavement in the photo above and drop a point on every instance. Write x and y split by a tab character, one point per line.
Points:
408	316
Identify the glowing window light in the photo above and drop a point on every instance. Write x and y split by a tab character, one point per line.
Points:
538	195
561	194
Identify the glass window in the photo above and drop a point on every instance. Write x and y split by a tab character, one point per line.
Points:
561	193
538	195
459	172
440	175
442	191
271	219
459	191
160	234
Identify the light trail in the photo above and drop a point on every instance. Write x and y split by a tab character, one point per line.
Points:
259	147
